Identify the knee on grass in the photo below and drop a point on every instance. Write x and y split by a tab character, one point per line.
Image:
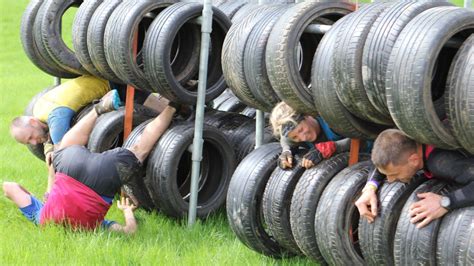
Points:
9	188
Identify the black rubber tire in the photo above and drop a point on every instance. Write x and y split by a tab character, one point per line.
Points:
305	200
248	143
455	244
108	130
156	52
376	239
244	210
38	149
233	55
255	71
411	84
232	104
276	204
460	99
81	113
337	216
127	19
79	33
324	93
29	43
379	43
226	94
136	187
230	8
249	111
169	171
95	40
413	245
348	63
290	81
47	30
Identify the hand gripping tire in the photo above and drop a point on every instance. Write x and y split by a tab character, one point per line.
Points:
376	239
413	245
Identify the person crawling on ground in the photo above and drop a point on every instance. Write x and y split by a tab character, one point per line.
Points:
53	112
86	182
397	157
295	129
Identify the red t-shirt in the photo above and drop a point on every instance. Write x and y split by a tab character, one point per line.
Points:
73	203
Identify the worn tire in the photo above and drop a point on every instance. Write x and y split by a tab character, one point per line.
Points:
95	40
79	33
455	244
169	171
411	84
248	143
376	239
413	245
233	55
379	44
255	71
136	187
29	42
47	30
156	53
347	69
107	133
324	94
460	99
337	217
276	204
290	81
230	8
305	200
244	210
127	20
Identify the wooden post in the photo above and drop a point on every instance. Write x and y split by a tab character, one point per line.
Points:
128	120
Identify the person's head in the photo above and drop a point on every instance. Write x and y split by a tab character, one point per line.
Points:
29	130
296	127
397	156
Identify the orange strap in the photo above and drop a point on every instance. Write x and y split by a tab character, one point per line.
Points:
354	152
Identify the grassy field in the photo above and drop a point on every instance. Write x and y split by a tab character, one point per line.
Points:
159	240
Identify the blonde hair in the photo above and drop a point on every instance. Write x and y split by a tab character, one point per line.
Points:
281	114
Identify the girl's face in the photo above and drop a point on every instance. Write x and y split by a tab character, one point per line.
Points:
306	131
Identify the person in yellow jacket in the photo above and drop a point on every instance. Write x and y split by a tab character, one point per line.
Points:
53	112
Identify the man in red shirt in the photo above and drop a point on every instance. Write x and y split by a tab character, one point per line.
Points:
85	183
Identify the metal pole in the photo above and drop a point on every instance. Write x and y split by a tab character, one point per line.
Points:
259	127
206	29
57	80
468	3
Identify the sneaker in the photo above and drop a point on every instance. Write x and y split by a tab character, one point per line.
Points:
109	102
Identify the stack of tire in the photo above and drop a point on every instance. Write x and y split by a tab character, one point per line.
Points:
402	64
164	182
283	213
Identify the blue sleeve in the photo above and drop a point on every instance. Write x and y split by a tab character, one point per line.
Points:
106	224
330	135
59	122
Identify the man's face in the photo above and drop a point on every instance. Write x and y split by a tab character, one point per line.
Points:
403	172
33	133
306	130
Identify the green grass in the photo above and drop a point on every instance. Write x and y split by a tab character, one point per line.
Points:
159	240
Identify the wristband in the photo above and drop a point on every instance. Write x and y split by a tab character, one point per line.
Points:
373	183
370	186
